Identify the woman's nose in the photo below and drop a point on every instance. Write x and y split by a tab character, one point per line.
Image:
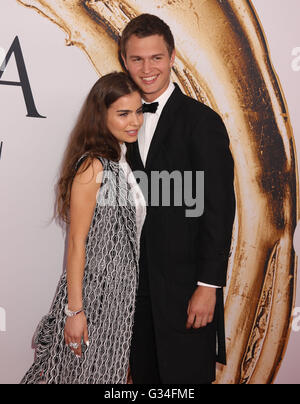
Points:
135	120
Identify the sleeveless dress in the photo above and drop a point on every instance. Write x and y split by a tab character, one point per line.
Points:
109	290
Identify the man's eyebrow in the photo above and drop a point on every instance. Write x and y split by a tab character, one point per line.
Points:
141	57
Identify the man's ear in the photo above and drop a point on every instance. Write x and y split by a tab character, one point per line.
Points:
124	61
173	57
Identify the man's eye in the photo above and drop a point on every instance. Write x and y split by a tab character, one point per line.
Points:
124	114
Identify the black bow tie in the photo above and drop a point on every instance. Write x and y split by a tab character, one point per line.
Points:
151	108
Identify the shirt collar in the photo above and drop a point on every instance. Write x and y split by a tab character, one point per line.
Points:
162	100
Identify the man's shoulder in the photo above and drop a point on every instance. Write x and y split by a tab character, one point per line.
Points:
196	109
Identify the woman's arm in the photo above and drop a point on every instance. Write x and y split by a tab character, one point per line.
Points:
82	205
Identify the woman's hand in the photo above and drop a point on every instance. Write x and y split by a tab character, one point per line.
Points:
76	330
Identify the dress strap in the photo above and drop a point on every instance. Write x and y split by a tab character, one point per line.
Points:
102	160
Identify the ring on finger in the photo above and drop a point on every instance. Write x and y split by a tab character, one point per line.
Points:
73	345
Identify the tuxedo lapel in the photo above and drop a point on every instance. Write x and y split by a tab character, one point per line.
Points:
138	159
164	124
134	157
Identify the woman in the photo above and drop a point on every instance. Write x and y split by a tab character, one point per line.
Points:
85	339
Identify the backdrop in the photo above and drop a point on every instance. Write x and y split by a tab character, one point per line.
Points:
243	59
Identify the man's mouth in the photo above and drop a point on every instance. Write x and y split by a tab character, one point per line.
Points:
150	80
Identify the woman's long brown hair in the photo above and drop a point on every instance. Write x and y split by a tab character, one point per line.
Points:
91	136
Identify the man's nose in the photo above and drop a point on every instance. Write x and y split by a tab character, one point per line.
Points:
147	66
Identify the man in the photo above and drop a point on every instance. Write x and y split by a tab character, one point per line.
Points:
179	322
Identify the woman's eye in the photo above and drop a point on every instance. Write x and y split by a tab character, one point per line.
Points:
125	114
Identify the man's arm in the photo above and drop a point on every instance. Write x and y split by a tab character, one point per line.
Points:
211	154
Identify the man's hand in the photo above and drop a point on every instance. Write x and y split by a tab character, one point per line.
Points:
201	307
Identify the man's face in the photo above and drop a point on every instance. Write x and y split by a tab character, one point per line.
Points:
149	63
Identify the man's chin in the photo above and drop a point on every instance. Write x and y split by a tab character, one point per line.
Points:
148	90
151	92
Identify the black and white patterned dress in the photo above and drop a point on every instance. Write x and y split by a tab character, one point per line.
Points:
109	292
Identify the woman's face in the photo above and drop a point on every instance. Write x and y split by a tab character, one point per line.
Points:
125	117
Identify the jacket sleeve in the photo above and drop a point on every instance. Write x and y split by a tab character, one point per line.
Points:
211	153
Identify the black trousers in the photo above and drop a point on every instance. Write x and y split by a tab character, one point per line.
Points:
143	355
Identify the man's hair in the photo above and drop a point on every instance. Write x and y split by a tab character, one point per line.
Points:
147	25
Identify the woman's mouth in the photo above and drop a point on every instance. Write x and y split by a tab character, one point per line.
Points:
132	132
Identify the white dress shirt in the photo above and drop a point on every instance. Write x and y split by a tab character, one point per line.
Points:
137	194
148	129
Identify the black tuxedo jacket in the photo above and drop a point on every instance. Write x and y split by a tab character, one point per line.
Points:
177	251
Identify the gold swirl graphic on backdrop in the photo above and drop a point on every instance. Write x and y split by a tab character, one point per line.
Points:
223	61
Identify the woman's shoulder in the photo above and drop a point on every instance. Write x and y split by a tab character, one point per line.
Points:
87	160
88	168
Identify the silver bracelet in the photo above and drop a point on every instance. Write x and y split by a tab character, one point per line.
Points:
70	313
